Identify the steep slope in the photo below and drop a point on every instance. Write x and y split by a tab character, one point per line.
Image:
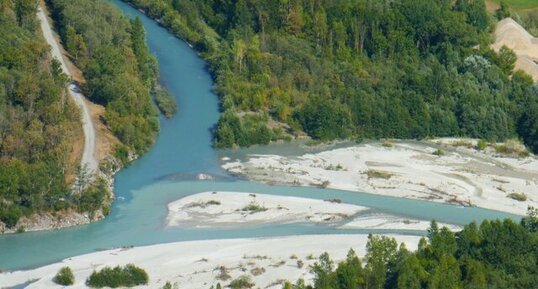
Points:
511	34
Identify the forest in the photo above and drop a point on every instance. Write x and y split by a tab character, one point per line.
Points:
38	123
119	71
355	69
493	254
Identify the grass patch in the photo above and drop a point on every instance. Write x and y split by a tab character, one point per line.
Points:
204	205
253	208
243	282
332	167
512	147
518	197
519	4
463	143
373	174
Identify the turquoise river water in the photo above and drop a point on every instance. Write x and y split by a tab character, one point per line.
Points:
182	150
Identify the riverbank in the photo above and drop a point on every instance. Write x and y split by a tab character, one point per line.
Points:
442	170
201	264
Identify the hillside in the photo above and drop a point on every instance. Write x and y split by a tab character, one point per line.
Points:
49	171
511	34
352	69
39	123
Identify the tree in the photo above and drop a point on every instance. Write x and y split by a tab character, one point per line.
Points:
324	277
506	59
380	251
350	273
446	275
411	274
64	277
503	11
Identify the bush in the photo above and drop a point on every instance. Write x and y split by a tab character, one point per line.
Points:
10	215
242	282
518	197
127	276
482	144
373	174
253	208
439	153
64	277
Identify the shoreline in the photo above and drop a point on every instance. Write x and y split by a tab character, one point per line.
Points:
445	170
212	209
219	209
200	264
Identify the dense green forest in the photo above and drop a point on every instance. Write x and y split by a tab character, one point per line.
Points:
120	72
38	122
494	254
355	68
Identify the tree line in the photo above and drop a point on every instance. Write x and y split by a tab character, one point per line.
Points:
354	69
493	254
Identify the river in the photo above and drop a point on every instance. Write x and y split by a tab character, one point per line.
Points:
167	172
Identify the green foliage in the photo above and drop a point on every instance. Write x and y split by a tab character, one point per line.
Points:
245	131
439	152
127	276
374	174
242	282
38	121
254	208
64	277
324	119
495	254
482	144
503	11
519	4
120	73
165	102
518	197
341	69
93	197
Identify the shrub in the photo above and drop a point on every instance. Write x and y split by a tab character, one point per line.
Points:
64	277
253	208
518	197
439	152
10	215
482	144
242	282
127	276
373	174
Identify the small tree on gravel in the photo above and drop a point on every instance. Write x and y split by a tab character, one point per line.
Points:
64	277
